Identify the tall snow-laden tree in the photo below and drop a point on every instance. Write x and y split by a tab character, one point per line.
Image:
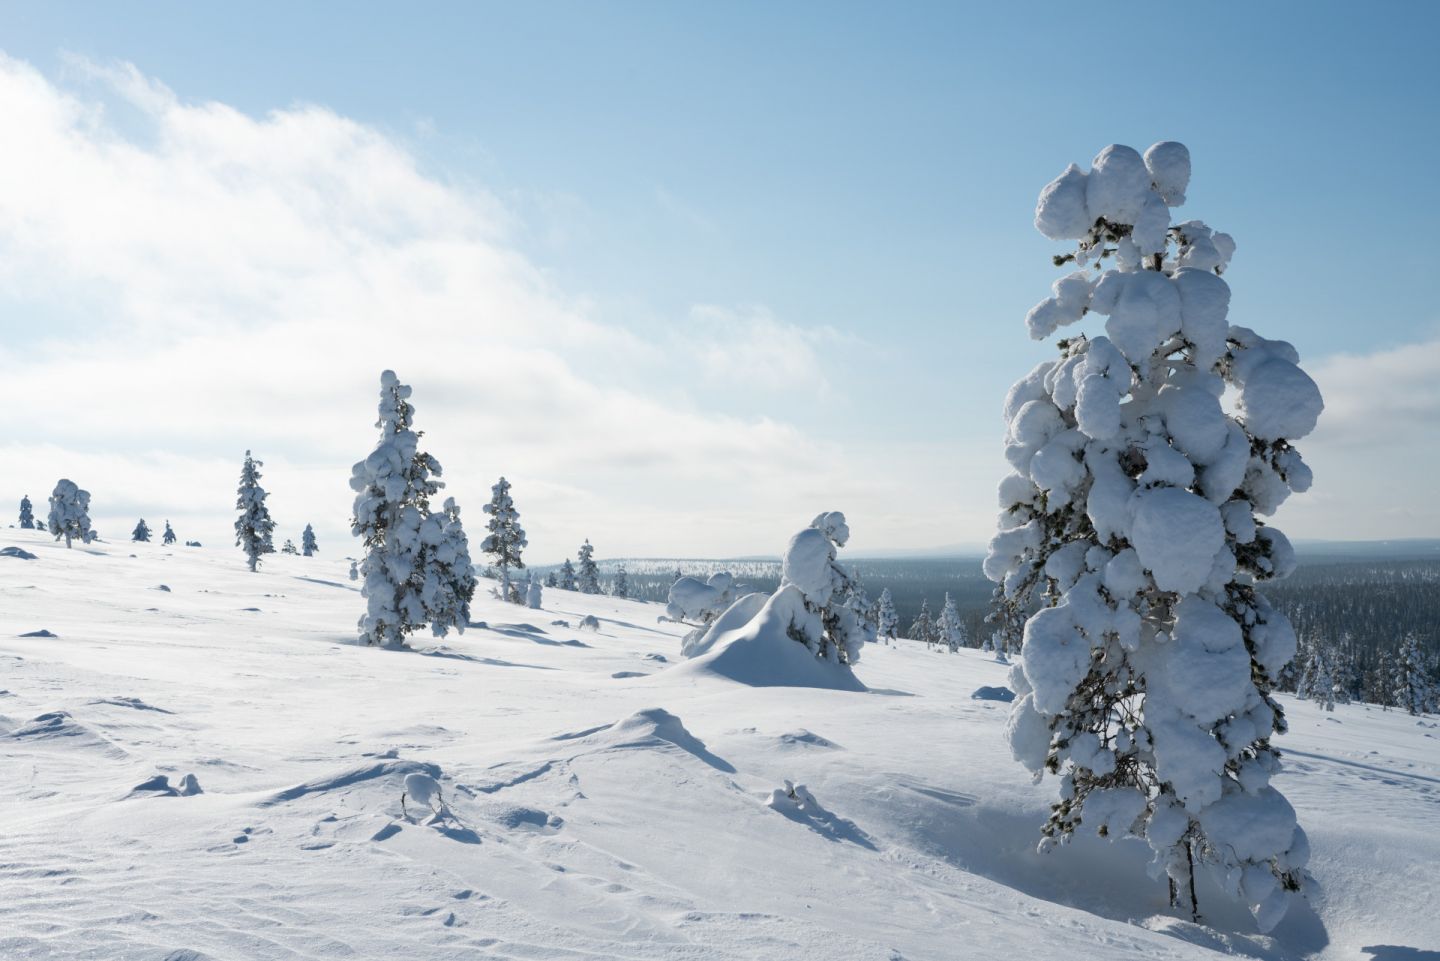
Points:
506	538
307	542
141	532
393	487
70	513
168	537
887	621
1412	688
922	629
589	576
567	575
254	528
621	587
449	577
949	630
27	514
814	591
1131	521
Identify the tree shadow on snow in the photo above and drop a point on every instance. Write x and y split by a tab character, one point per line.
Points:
1395	952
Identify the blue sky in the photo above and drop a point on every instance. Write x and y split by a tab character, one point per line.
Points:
853	181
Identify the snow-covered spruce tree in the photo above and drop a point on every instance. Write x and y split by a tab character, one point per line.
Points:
253	528
814	590
141	532
1131	519
949	631
567	575
289	547
393	487
1412	689
448	584
621	587
534	594
307	542
70	513
354	571
27	514
551	580
589	576
506	539
886	619
168	537
922	628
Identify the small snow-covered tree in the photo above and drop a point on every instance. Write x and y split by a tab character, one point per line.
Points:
949	629
1412	688
289	547
506	539
168	537
1131	521
307	542
887	621
589	575
70	513
254	527
567	575
354	571
621	587
393	487
141	532
815	590
27	514
449	577
922	628
551	580
534	594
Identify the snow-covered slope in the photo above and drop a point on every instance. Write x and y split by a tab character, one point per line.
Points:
602	805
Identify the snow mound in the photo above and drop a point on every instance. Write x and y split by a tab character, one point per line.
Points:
40	633
386	769
761	653
988	693
19	553
654	729
58	730
737	615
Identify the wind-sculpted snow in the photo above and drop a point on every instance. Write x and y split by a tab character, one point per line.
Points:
259	813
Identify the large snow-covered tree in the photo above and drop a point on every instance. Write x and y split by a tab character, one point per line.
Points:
1131	521
141	532
567	575
887	621
307	542
393	487
27	514
1412	688
949	629
814	593
449	577
254	528
588	577
70	513
506	539
168	537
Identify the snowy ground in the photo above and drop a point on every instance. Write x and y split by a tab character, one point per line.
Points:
604	806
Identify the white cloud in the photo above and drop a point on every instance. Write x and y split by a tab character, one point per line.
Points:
200	281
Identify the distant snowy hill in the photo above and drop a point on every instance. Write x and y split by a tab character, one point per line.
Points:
199	763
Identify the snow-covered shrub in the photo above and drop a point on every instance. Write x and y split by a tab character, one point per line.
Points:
70	513
693	601
289	547
141	532
27	514
589	576
949	630
307	542
506	539
354	571
814	590
168	537
885	617
534	594
253	528
393	487
1131	518
589	623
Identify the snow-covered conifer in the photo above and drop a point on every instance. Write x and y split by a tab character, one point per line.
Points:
393	487
922	628
949	630
534	594
141	532
814	592
1412	688
551	580
449	578
589	576
887	621
567	575
289	547
621	587
254	527
168	537
27	514
1131	518
307	542
506	538
354	571
70	513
